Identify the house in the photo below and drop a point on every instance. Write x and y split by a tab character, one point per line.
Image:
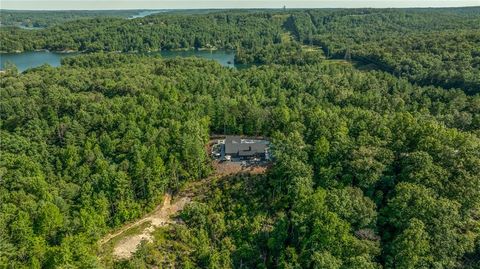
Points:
235	147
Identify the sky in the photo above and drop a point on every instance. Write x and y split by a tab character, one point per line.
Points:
189	4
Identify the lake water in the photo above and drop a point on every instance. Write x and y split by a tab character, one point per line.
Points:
30	28
145	13
26	60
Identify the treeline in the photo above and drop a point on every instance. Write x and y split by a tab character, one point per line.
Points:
217	30
371	171
43	19
430	47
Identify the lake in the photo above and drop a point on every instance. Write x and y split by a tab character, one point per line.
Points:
26	60
30	27
145	13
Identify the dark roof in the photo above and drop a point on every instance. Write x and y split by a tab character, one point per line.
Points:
235	145
232	144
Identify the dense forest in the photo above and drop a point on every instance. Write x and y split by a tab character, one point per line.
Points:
428	46
370	170
43	19
374	118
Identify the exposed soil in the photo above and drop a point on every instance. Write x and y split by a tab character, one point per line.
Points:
231	168
162	215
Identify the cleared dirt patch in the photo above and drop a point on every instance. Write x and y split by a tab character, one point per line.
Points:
231	168
125	241
161	216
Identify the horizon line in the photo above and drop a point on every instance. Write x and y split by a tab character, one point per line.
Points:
240	8
46	5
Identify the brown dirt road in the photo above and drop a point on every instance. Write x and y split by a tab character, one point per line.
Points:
162	215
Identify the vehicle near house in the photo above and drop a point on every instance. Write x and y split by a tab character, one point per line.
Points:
216	151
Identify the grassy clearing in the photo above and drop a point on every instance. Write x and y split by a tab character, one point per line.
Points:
309	48
339	62
281	16
286	37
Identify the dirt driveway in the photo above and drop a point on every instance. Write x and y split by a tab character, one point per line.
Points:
161	216
128	243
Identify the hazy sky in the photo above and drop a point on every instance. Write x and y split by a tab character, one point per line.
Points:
171	4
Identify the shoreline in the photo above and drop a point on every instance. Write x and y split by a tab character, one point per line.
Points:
68	51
